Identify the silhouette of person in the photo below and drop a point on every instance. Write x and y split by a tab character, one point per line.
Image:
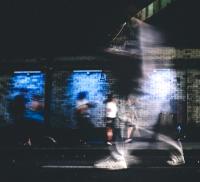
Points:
128	116
18	109
82	112
111	114
36	109
135	81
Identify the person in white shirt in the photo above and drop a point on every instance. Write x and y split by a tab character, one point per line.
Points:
111	114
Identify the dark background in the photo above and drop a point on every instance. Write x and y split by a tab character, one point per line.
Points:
71	27
62	27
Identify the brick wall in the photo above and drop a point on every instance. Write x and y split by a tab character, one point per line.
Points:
10	85
67	85
163	90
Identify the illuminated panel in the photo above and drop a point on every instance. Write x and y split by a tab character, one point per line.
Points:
67	85
11	86
159	88
33	84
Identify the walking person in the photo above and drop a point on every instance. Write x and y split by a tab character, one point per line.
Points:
111	114
82	112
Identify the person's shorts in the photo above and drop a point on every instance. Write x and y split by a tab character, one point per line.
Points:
129	124
110	122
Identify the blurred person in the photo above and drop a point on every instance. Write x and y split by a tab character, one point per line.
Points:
37	104
35	109
82	113
111	114
128	116
144	40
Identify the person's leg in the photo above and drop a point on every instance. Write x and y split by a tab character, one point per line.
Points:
109	135
175	147
109	130
116	159
129	134
81	127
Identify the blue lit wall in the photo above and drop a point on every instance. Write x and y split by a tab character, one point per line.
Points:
67	85
33	82
30	80
95	84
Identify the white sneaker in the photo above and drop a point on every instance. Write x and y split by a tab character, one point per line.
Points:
109	143
111	164
176	160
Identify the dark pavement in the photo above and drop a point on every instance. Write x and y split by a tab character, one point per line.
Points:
76	163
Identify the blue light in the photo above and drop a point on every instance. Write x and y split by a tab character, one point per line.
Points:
94	82
33	82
